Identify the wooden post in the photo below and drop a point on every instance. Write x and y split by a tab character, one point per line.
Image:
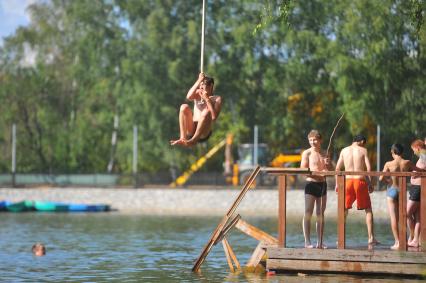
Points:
227	228
232	254
282	200
257	255
402	225
228	256
423	214
341	225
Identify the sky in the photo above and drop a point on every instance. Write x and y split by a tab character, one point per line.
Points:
12	15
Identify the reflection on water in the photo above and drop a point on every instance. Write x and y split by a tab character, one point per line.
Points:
139	248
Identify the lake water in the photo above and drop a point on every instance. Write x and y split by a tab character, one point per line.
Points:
115	247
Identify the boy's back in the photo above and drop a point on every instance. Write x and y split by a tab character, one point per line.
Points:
354	159
397	165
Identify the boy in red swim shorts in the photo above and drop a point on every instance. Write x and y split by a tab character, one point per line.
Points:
358	187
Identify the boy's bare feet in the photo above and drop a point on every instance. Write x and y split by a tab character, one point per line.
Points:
322	246
181	142
373	242
395	246
309	246
413	243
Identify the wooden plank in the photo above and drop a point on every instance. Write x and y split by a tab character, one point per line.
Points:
423	214
257	255
232	254
346	267
222	223
341	223
282	210
402	203
255	232
347	255
244	190
228	256
371	173
274	170
227	228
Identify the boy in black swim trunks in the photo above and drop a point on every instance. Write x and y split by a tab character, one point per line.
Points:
197	126
413	204
315	189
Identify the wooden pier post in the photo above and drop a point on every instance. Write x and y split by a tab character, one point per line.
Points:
230	256
423	214
282	210
402	203
341	225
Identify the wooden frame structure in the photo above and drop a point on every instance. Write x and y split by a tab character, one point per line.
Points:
281	258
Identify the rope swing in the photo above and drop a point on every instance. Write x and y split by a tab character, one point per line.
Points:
202	36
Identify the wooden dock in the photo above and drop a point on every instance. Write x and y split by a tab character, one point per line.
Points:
343	260
373	260
346	261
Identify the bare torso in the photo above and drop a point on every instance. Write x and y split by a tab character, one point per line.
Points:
354	159
200	106
316	162
421	163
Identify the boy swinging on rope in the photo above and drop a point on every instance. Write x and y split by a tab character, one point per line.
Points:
197	126
315	189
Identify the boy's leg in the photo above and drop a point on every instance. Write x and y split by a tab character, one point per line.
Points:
416	239
320	208
217	103
411	209
364	202
186	124
370	226
393	213
203	125
309	208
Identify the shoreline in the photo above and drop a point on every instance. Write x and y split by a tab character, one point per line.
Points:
183	201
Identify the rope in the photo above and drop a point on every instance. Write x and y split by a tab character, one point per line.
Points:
202	37
332	135
328	156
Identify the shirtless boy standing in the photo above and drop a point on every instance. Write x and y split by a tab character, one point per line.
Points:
358	187
197	126
398	164
315	189
413	205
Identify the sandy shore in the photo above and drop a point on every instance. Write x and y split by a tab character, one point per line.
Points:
183	201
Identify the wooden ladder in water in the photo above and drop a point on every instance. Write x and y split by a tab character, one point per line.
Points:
227	223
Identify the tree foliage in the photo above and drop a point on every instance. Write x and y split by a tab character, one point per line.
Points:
287	66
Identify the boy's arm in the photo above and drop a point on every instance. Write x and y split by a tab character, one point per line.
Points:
413	167
339	166
209	104
304	163
385	169
368	169
328	164
192	92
